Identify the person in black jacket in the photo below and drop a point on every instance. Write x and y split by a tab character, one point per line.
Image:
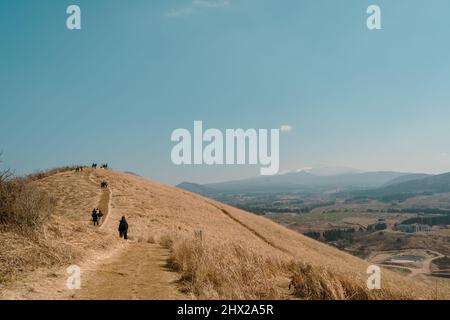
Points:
123	228
95	217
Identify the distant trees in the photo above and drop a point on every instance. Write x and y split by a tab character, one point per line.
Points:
256	210
313	234
419	210
377	226
431	221
332	234
338	234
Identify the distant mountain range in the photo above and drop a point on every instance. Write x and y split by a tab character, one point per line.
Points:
406	178
198	188
307	180
383	185
401	189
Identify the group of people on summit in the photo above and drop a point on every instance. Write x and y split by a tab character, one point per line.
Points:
102	166
93	166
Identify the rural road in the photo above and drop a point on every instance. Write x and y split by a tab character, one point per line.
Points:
424	269
426	265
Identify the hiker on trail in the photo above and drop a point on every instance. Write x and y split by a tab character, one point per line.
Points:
94	165
100	217
95	217
123	228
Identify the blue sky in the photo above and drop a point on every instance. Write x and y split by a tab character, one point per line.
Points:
115	90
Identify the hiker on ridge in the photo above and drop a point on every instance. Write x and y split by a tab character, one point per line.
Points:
123	228
100	217
95	217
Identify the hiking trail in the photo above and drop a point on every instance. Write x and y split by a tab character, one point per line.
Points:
136	271
125	270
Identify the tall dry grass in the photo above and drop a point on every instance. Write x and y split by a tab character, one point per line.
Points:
318	283
232	271
226	271
23	207
25	211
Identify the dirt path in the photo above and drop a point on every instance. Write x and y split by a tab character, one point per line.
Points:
138	272
126	270
426	265
105	199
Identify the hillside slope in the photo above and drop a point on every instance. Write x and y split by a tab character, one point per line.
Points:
165	225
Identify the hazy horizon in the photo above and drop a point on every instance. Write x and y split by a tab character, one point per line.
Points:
256	175
116	89
299	170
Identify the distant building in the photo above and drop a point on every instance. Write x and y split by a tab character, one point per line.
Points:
413	228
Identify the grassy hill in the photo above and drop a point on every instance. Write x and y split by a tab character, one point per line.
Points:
216	251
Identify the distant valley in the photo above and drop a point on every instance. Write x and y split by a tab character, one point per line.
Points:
363	213
380	185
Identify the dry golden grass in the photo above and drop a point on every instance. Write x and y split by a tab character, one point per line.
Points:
318	283
223	271
221	252
22	253
42	174
211	271
35	229
23	207
24	217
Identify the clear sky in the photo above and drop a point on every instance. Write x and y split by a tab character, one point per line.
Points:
115	90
